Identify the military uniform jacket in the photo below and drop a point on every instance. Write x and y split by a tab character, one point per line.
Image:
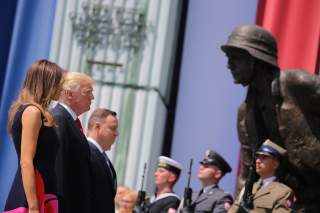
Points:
165	203
275	197
215	200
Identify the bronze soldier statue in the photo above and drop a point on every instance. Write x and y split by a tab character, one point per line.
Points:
282	107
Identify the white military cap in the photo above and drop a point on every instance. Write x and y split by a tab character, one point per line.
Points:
170	164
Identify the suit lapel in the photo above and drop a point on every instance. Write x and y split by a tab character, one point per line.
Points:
263	190
201	198
255	187
70	124
72	121
204	196
64	112
111	172
105	167
114	175
103	162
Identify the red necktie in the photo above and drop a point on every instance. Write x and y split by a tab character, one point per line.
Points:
78	123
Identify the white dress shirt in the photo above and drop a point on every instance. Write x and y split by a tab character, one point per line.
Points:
71	112
268	180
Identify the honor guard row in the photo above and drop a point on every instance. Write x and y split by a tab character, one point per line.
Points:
267	194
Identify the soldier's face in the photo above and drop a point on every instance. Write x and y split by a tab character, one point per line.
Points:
163	176
266	166
241	65
208	172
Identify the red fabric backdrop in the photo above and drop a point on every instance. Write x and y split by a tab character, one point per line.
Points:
296	26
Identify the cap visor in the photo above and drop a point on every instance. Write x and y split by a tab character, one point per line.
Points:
264	153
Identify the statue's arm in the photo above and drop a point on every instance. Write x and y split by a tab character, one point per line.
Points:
301	87
300	119
245	147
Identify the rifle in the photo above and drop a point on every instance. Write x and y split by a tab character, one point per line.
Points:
141	201
246	203
188	192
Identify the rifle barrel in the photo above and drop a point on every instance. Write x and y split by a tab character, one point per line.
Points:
143	174
189	172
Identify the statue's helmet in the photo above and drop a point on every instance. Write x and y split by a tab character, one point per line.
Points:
256	40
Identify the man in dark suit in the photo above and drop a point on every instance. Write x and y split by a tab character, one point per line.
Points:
73	158
102	132
211	198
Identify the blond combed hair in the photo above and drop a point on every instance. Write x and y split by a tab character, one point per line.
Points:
41	85
73	80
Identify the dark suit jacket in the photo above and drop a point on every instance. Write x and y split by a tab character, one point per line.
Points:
72	165
103	184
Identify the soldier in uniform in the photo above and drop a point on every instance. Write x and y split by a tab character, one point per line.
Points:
211	198
166	175
268	194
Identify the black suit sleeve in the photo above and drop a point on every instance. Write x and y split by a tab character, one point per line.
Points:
72	165
63	147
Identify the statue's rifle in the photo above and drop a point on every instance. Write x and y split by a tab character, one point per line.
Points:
253	118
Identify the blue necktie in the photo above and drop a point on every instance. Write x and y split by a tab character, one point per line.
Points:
108	162
109	167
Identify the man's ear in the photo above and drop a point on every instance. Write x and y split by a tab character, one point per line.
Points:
172	177
275	164
97	125
68	94
218	174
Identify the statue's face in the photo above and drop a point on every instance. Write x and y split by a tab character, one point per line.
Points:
241	65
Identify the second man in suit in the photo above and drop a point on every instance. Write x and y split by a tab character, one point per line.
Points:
102	133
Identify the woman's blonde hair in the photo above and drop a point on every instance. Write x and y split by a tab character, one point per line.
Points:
41	85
